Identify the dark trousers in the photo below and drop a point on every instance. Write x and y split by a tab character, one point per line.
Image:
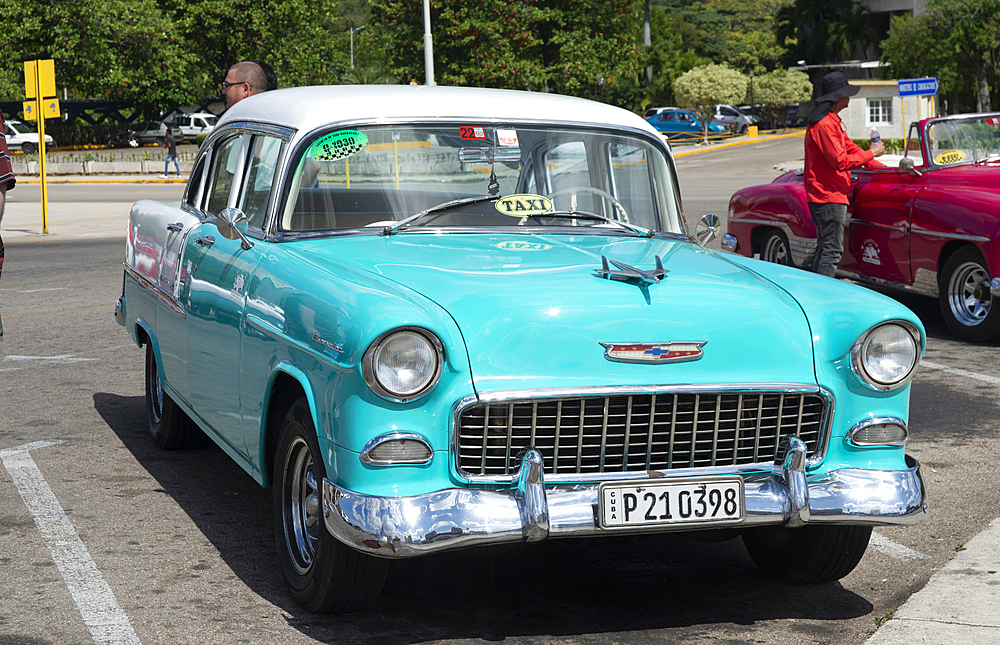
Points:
829	219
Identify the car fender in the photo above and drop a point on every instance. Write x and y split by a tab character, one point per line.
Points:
780	205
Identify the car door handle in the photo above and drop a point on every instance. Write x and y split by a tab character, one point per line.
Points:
205	240
176	227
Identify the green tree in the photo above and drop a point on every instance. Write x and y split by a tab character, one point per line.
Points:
779	88
564	46
126	50
669	57
294	37
739	33
704	87
956	40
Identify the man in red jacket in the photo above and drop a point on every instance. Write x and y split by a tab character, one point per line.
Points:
830	158
7	182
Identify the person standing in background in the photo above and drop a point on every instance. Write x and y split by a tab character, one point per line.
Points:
171	145
830	158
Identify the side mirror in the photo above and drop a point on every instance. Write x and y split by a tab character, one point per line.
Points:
232	222
707	228
906	165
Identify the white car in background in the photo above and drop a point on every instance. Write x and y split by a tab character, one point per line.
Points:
21	137
187	127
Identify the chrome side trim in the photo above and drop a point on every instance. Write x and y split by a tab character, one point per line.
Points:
863	222
925	283
951	236
168	300
400	527
263	326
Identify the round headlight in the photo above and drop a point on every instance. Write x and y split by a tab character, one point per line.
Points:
885	357
403	364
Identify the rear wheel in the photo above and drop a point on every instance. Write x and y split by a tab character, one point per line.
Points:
807	555
28	148
969	309
774	248
169	426
322	573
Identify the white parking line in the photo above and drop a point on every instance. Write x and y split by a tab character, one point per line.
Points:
959	372
894	550
105	619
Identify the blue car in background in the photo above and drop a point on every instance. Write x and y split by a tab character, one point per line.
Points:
431	318
676	123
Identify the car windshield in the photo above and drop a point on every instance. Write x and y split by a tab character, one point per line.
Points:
964	140
530	176
22	128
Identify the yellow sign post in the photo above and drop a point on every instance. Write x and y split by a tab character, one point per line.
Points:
40	85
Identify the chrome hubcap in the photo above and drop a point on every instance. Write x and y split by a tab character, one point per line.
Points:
969	294
302	506
775	251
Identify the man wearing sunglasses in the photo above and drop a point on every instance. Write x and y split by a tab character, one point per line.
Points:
246	79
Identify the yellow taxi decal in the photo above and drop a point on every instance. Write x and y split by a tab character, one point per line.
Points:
949	156
524	204
338	145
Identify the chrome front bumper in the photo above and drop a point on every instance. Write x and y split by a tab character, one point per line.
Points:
396	527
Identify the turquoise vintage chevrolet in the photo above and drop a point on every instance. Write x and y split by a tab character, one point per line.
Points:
433	318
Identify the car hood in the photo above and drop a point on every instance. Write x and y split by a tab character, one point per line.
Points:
533	312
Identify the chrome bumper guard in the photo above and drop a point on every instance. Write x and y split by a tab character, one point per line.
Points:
397	527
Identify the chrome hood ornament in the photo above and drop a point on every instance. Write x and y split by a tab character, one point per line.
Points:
626	273
670	352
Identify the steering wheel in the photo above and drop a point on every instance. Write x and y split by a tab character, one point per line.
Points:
596	191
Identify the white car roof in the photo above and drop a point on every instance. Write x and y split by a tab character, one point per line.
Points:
307	108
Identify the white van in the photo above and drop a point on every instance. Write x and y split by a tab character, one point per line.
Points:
186	127
21	137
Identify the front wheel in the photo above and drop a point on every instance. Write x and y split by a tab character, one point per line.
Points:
807	555
323	574
774	248
169	427
969	309
28	148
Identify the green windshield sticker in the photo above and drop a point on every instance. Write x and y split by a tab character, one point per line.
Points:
524	205
338	145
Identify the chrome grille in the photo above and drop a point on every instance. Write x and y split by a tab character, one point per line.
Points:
635	432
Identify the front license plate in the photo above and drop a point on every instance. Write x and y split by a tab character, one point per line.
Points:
705	501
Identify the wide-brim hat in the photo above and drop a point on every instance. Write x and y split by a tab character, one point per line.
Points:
835	87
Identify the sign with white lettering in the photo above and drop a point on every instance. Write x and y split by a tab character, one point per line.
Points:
918	87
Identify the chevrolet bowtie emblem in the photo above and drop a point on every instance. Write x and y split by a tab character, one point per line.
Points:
672	352
626	273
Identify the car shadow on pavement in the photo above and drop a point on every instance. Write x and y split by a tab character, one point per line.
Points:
554	588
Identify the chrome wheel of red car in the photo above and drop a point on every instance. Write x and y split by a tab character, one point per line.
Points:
774	248
965	298
322	573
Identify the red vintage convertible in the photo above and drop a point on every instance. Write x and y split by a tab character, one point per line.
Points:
930	225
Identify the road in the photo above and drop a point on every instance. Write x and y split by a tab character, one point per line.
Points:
176	547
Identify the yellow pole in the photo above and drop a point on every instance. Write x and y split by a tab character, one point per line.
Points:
41	146
347	169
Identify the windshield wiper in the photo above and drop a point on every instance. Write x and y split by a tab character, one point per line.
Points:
440	208
574	214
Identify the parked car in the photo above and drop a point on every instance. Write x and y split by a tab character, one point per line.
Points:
926	226
150	132
21	137
684	124
733	117
432	318
191	125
